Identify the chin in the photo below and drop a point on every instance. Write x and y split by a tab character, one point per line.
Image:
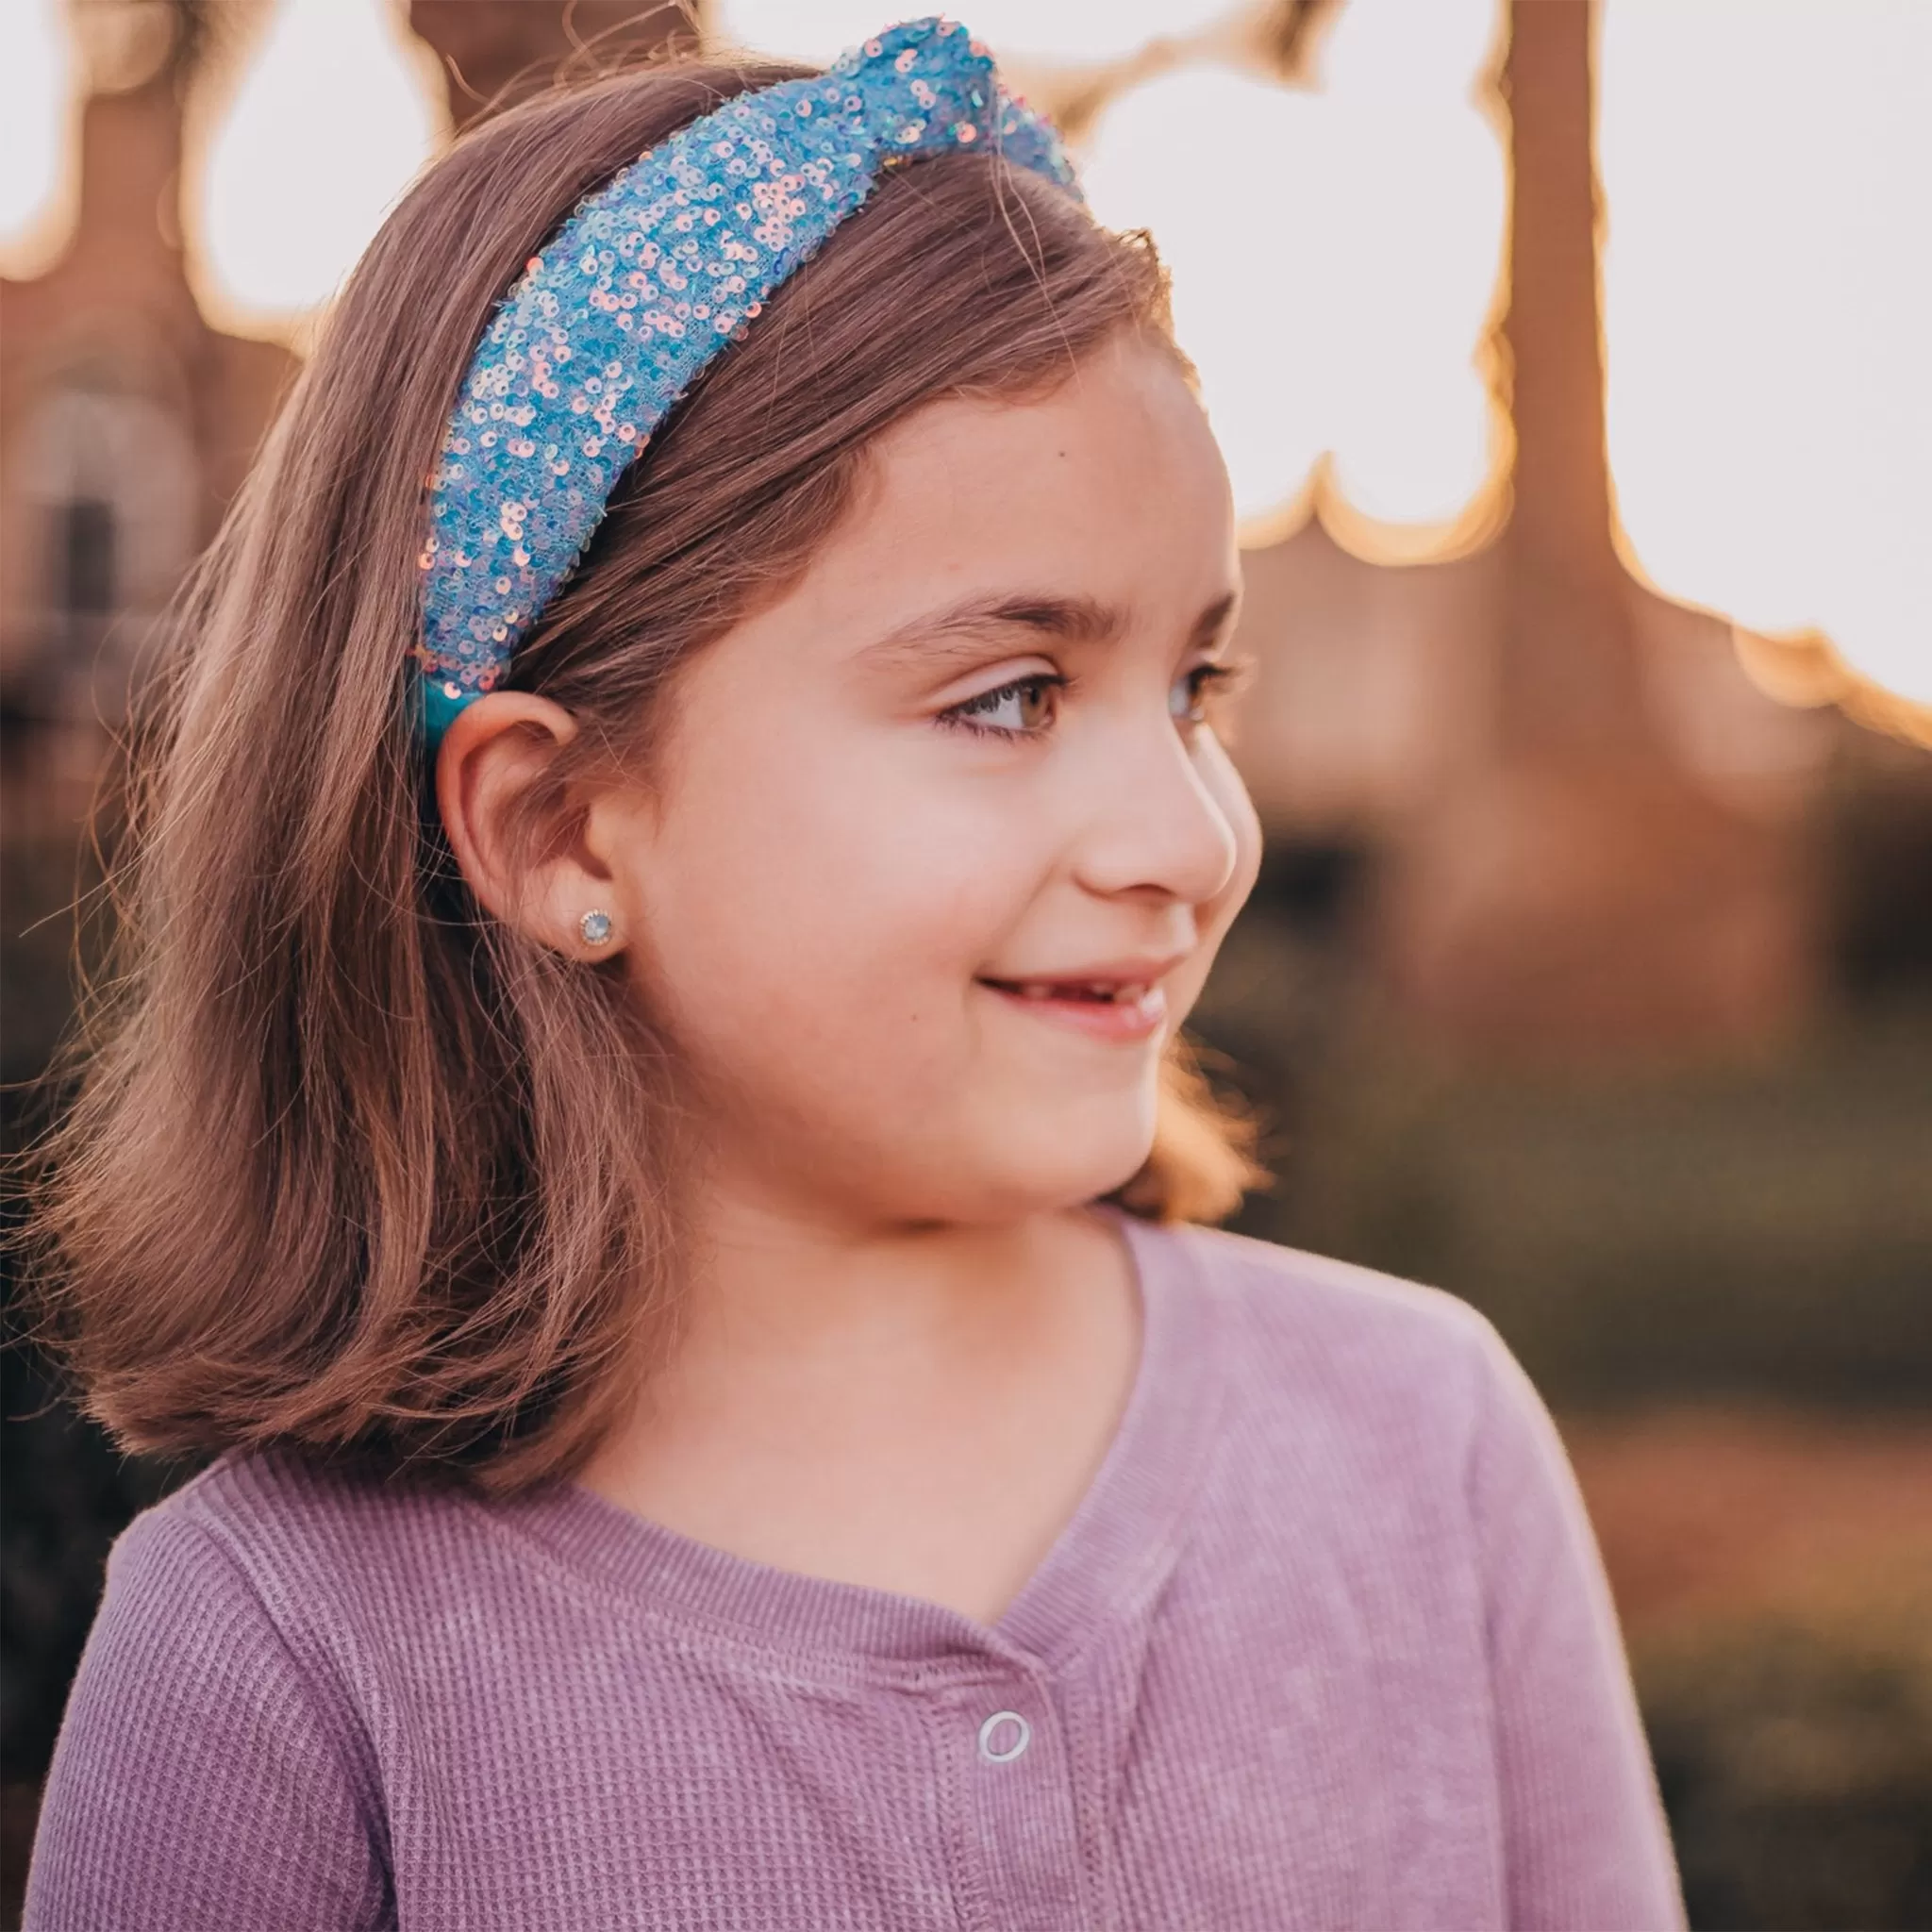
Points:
1002	1155
1070	1163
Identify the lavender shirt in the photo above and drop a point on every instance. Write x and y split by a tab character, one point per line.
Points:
1326	1644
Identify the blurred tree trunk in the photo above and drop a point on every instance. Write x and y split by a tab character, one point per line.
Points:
1570	891
495	52
1567	682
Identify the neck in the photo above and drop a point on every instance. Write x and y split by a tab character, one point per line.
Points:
914	1407
785	1289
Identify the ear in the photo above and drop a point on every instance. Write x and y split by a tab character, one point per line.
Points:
521	844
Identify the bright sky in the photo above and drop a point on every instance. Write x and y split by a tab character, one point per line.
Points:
1768	172
1333	255
1768	313
1064	31
286	189
1356	231
37	134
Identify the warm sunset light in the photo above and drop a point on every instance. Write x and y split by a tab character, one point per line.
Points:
1071	32
335	109
1337	299
1767	314
37	160
1766	177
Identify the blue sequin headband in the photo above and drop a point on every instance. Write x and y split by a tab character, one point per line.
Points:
632	297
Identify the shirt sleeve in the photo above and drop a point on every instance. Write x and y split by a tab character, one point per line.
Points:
1586	1844
198	1780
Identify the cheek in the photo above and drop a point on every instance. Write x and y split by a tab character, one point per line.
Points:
825	897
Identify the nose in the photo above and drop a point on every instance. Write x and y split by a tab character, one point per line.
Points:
1154	826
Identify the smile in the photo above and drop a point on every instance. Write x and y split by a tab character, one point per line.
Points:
1126	1011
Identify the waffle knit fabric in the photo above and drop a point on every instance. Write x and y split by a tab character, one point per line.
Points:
1326	1644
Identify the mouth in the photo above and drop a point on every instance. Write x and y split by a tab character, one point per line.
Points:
1126	1011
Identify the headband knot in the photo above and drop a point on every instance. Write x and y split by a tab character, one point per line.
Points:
622	308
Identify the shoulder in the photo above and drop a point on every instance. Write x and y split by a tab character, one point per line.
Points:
323	1555
341	1585
276	1502
1403	1400
1297	1318
211	1767
1341	1367
192	1619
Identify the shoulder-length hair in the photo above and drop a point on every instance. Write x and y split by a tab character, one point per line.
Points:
353	1167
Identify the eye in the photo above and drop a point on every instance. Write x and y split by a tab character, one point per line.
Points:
1023	709
1191	701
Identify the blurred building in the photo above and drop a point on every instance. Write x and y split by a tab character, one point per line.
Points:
125	423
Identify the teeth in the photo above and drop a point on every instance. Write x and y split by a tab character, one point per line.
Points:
1126	995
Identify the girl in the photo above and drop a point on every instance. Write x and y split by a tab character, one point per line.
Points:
645	1127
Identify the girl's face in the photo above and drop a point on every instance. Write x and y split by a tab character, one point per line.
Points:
939	846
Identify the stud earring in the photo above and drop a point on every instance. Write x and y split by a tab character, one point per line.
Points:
595	927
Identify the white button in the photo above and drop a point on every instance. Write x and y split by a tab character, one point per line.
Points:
1004	1736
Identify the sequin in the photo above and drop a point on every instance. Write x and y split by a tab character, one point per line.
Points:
621	309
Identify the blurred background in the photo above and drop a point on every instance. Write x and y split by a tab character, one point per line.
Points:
1572	364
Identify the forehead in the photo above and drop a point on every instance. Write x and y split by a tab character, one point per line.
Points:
1110	487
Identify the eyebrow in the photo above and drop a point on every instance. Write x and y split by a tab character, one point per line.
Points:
960	629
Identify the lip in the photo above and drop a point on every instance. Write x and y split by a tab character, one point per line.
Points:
1124	1021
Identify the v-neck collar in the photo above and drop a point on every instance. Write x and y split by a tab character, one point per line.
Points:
1101	1570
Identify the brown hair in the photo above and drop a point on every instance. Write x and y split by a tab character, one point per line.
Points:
353	1166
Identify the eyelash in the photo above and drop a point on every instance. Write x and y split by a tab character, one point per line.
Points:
1214	684
1209	681
960	717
